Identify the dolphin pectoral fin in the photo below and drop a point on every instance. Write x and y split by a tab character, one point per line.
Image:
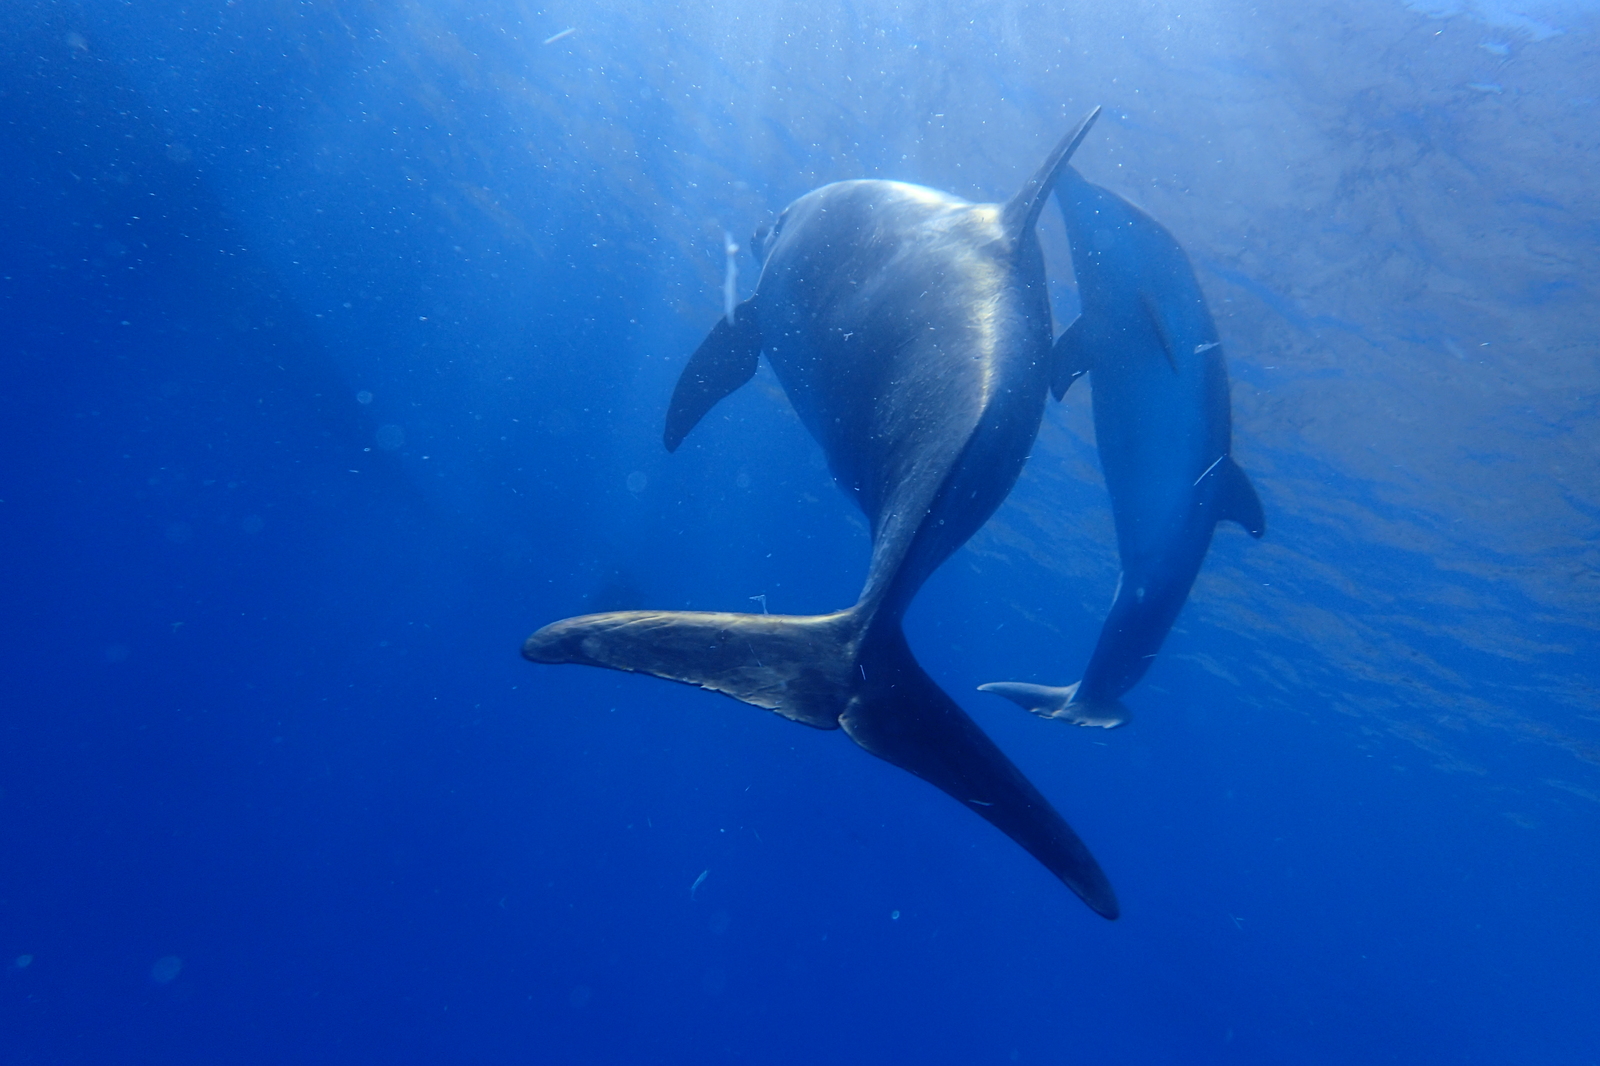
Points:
1050	701
801	667
1070	358
725	360
1236	498
1152	307
902	716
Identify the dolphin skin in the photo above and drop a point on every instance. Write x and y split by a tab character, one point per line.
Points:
911	331
1164	429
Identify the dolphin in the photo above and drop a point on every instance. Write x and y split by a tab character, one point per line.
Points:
1164	429
911	331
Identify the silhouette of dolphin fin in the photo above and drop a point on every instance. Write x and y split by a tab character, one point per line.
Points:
1070	358
1052	701
825	672
724	361
1235	498
1022	210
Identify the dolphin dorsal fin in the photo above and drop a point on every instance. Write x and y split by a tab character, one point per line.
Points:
1022	211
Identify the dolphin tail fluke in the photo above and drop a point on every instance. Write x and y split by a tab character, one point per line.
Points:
901	715
825	672
724	361
797	666
1236	498
1022	212
1053	701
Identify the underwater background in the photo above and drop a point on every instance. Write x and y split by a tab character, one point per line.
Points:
335	344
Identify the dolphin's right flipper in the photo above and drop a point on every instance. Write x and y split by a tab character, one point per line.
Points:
902	716
1070	358
725	360
1051	701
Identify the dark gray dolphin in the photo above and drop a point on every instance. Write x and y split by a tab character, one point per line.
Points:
1164	429
911	331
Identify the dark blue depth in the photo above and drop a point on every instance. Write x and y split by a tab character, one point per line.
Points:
335	343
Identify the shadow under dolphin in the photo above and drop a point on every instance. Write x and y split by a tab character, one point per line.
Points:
1163	427
912	333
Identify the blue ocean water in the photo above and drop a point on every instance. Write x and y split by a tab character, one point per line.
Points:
335	343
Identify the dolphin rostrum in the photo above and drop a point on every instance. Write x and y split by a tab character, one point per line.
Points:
1163	426
911	331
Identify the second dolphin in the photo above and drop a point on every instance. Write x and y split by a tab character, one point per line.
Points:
1163	425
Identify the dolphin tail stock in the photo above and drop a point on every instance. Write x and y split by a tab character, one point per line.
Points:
1022	211
725	360
828	671
1056	701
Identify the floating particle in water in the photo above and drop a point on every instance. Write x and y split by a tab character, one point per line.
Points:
743	480
579	997
363	397
390	437
24	961
179	153
559	423
698	882
554	37
251	523
166	969
894	916
637	481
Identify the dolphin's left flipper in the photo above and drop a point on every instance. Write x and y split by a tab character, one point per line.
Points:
1235	498
1070	358
725	360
